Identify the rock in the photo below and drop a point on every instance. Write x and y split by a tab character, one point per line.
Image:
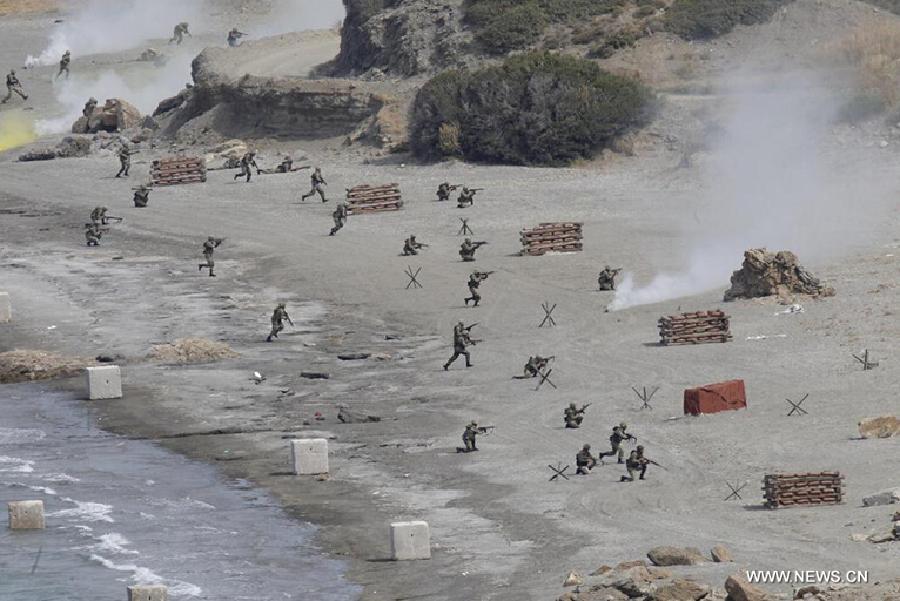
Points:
353	356
767	274
858	538
888	497
739	589
681	590
896	517
634	582
720	554
601	570
675	556
573	579
807	590
115	115
315	375
601	593
346	416
881	537
625	565
74	146
879	427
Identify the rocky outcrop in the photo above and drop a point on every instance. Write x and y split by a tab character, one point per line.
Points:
115	115
767	274
675	556
404	37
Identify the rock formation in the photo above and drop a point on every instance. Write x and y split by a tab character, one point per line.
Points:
115	115
766	274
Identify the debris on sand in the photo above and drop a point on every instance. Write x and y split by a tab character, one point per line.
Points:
348	416
191	350
29	365
879	427
226	155
767	274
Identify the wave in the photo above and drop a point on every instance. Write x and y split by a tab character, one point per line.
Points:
85	510
142	575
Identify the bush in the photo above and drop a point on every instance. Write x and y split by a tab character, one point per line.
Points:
706	19
534	109
513	29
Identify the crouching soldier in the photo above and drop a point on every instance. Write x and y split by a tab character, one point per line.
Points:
584	461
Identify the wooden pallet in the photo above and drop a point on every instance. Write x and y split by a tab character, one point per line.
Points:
790	490
699	327
170	171
551	237
368	198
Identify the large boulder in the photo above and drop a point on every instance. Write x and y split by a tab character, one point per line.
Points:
115	115
879	427
74	146
767	274
721	554
739	589
675	556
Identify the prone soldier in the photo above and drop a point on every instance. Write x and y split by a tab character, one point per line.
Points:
461	339
64	64
287	163
467	249
411	246
606	280
209	249
246	161
340	214
317	185
234	37
536	365
141	196
466	198
13	85
584	461
444	189
618	436
474	282
179	32
573	416
278	317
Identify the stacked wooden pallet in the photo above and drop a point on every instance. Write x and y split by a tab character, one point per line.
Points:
373	199
172	170
700	327
788	490
551	237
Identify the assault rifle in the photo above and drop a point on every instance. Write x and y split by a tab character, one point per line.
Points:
583	407
475	189
469	328
116	219
485	429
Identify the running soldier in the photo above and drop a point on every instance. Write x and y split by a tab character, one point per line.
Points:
584	461
606	280
64	64
142	196
124	160
461	339
411	247
618	436
340	214
13	85
179	32
209	249
317	185
246	161
278	317
474	282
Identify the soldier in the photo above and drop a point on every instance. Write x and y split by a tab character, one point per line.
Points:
64	64
467	249
209	248
536	365
444	189
573	416
411	246
246	161
142	196
317	185
467	197
92	233
468	437
13	85
618	436
179	32
474	282
124	160
607	278
287	163
234	37
461	339
636	463
278	317
584	460
89	107
340	214
98	215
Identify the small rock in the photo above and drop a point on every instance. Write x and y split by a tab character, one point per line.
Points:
601	570
887	497
881	537
857	537
739	589
720	554
353	356
635	582
315	375
896	517
807	590
681	590
675	556
573	579
626	565
883	144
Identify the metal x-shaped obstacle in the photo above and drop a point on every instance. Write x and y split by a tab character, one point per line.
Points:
735	490
796	408
412	277
548	317
645	396
545	377
465	229
558	472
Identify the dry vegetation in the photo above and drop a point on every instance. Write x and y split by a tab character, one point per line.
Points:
28	365
872	53
14	7
192	350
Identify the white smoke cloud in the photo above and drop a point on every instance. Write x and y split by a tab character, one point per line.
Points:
771	182
299	15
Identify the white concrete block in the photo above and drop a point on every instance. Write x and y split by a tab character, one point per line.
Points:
5	308
309	456
148	593
410	540
104	382
26	515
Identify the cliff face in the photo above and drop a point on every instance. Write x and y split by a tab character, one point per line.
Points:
402	37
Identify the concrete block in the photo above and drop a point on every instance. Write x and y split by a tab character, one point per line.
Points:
309	456
5	308
104	382
26	515
148	593
410	540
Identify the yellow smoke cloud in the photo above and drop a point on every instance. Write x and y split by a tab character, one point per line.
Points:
16	129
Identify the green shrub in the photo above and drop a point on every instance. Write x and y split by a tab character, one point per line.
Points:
534	109
706	19
513	29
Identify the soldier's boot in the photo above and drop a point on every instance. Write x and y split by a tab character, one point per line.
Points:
332	232
620	461
641	477
477	300
626	479
467	301
468	364
446	366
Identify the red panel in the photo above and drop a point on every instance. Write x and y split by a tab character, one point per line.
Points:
724	396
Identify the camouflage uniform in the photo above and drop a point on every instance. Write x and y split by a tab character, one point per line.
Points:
636	463
234	38
124	160
535	364
443	191
278	317
287	163
468	437
64	64
92	234
584	461
411	247
89	107
98	215
317	186
474	283
615	441
341	212
13	85
142	197
467	250
606	280
466	198
209	249
179	32
573	416
460	341
246	161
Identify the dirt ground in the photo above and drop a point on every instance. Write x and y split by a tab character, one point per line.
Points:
501	530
